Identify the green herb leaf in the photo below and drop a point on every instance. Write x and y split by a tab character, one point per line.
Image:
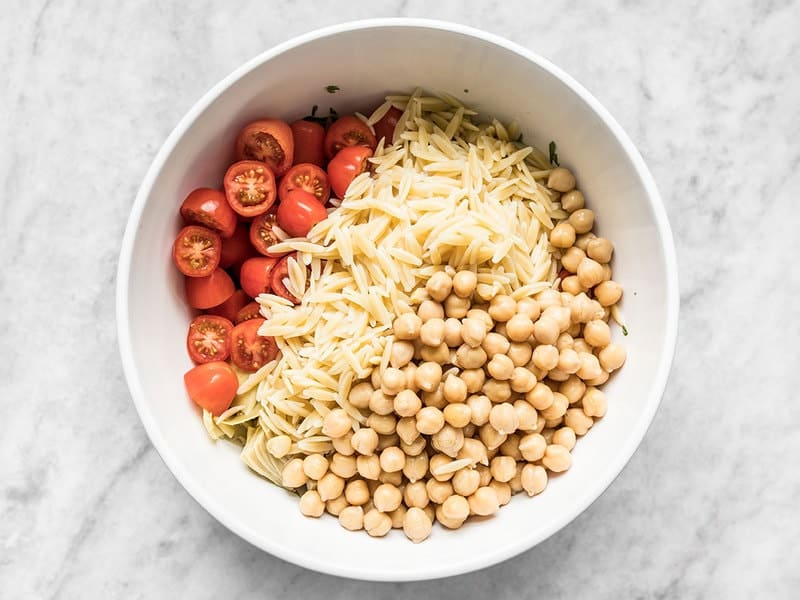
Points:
624	330
553	154
332	89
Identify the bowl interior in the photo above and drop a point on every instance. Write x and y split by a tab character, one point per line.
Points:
367	62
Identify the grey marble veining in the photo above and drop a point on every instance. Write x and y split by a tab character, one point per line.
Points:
707	508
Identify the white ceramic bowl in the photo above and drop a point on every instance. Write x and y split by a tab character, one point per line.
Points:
367	60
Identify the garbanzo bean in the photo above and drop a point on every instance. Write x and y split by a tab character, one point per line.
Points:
480	313
583	309
410	371
381	403
432	332
330	486
280	445
365	441
430	309
502	490
438	491
590	366
457	415
504	418
456	507
494	344
545	357
598	380
376	523
572	285
360	393
590	273
522	380
416	467
580	345
407	326
561	315
561	180
483	502
401	354
502	308
562	235
429	420
490	437
540	397
572	258
473	332
448	440
597	333
336	506
470	358
600	249
565	340
343	466
416	494
311	504
573	388
594	403
479	406
434	398
574	329
534	479
568	361
557	458
520	353
516	481
464	283
608	293
474	450
550	426
382	424
439	286
526	415
417	525
415	447
398	515
452	332
546	330
577	420
500	367
497	391
532	446
607	272
503	468
393	381
582	220
582	241
485	473
428	376
564	436
407	404
456	307
369	467
293	475
343	445
612	357
392	459
519	328
444	521
454	389
336	423
438	354
356	492
352	518
387	497
315	466
572	201
557	409
474	378
466	481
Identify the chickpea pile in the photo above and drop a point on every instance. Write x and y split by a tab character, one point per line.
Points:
484	396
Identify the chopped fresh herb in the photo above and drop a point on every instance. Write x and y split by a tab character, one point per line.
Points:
466	90
624	330
553	154
332	89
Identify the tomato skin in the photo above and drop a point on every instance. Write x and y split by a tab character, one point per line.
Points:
279	272
250	187
385	127
348	131
307	177
209	208
255	274
209	338
309	142
212	386
269	141
247	312
262	235
346	166
250	351
196	251
299	212
231	307
237	248
207	292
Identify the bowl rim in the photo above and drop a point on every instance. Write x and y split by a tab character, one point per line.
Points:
427	571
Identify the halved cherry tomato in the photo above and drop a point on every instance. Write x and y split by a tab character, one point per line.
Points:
309	140
231	307
209	208
346	166
250	351
249	311
307	177
299	212
237	248
348	131
255	274
196	251
279	272
209	338
262	234
212	386
207	292
385	127
250	187
269	141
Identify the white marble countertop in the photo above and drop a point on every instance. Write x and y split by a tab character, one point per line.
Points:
710	92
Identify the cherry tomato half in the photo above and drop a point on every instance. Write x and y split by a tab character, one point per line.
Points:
250	187
346	166
209	208
231	307
309	140
299	212
385	127
207	292
209	338
307	177
212	386
237	248
249	311
269	141
196	251
250	351
255	275
348	131
262	233
280	272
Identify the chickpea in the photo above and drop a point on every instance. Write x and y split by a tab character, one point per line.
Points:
352	518
474	378
439	286
504	418
464	283
429	375
360	394
503	468
479	313
561	315
547	298
494	344
380	403
526	415
456	307
485	474
582	241
435	398
438	354
343	466
293	475
545	357
376	523
502	490
562	235
568	361
473	332
540	397
500	367
456	508
438	491
590	366
564	436
416	467
572	201
582	220
583	309
392	459
574	329
511	447
491	437
597	333
430	310
315	466
561	180
483	502
387	498
336	506
365	441
415	448
432	332
572	258
280	445
598	380
445	521
612	357
522	380
600	249
429	420
534	479
564	341
608	293
400	355
330	486
546	330
519	328
573	388
470	358
452	332
557	458
343	445
550	426
416	494
454	389
594	403
532	446
465	481
457	415
311	505
392	381
577	420
502	308
497	391
407	326
572	285
580	345
474	450
336	423
590	273
417	525
557	375
356	492
407	404
520	353
607	272
369	467
529	307
479	406
448	440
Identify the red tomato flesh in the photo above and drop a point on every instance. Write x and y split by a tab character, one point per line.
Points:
209	208
279	273
262	233
255	275
299	212
251	310
346	166
268	141
209	338
307	177
348	131
309	142
231	307
250	187
385	127
207	292
212	386
237	248
196	251
250	351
